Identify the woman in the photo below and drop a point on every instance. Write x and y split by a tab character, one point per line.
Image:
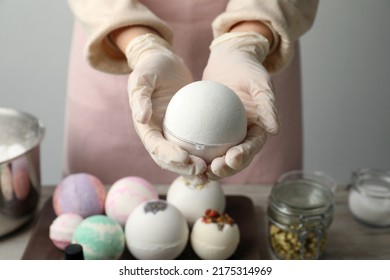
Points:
164	45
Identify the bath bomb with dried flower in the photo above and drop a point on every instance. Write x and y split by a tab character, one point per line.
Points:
215	236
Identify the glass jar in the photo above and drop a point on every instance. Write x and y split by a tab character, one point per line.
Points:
300	211
369	197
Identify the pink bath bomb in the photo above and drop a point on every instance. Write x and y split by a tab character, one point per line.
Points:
62	228
81	194
125	195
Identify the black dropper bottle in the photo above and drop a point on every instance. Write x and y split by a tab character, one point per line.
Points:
74	252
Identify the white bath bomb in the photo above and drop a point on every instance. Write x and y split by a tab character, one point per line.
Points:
156	230
194	200
125	195
205	118
215	236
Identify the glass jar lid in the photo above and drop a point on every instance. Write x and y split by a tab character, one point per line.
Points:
372	182
302	195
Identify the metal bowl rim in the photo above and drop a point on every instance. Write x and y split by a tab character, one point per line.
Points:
40	131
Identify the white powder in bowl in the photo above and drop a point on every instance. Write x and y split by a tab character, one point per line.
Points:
10	151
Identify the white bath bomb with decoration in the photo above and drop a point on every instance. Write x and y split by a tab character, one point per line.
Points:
194	200
156	230
206	119
215	236
125	195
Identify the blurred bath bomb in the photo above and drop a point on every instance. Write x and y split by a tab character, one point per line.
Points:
101	237
205	118
62	228
215	236
126	194
79	193
156	230
194	200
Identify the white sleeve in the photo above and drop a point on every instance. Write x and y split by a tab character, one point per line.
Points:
289	19
99	17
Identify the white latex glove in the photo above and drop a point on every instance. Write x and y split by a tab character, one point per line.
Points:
236	61
157	74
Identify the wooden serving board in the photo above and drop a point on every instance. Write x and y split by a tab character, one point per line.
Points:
240	208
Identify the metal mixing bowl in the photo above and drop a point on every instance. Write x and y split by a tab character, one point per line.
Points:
20	184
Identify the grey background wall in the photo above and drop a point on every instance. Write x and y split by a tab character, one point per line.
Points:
345	64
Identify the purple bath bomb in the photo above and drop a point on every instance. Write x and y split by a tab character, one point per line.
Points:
80	193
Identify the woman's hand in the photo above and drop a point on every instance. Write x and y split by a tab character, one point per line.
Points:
157	74
236	61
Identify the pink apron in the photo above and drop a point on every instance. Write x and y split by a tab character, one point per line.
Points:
99	135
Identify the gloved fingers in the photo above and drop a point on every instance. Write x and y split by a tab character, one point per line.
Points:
264	100
249	42
235	53
140	89
200	168
157	73
168	155
191	170
142	44
238	157
165	151
219	169
259	101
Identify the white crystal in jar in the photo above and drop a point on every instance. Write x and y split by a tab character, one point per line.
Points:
369	198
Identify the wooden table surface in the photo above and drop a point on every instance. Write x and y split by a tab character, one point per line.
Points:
348	239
